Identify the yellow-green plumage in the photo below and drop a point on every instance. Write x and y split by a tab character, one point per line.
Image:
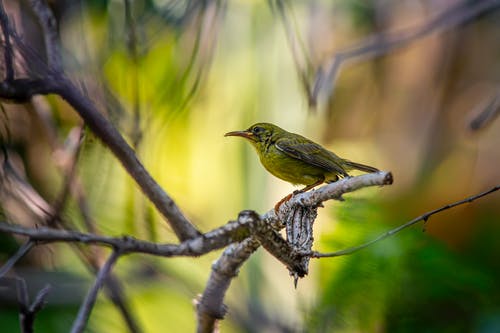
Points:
296	159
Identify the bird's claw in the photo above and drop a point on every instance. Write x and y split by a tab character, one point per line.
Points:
282	201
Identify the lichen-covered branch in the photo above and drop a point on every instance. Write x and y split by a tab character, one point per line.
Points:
210	305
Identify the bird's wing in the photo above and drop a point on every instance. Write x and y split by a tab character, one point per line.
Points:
312	153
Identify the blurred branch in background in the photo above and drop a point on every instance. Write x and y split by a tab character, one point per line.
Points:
487	113
323	81
51	81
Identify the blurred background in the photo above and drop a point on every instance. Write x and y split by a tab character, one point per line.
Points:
416	93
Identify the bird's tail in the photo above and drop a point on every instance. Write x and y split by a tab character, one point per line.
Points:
359	166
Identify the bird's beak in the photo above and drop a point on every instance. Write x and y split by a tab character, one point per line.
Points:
243	134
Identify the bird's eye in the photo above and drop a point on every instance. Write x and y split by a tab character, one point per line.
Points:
257	130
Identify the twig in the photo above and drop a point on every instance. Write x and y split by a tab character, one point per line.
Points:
303	66
87	305
49	32
28	318
423	217
21	252
68	157
115	292
488	114
27	312
132	48
461	13
8	54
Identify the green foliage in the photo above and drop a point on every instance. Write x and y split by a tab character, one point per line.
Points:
407	283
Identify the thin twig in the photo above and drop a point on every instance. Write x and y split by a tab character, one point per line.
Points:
21	252
87	305
304	65
27	312
423	217
8	56
133	53
488	113
68	158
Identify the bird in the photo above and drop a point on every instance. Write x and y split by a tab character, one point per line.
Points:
296	159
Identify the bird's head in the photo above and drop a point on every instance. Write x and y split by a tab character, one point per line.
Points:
257	134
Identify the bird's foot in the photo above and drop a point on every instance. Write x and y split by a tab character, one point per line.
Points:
282	201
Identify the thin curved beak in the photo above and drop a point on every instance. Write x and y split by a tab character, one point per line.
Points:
243	134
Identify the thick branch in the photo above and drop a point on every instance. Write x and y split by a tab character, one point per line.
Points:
110	136
55	82
215	239
330	191
210	307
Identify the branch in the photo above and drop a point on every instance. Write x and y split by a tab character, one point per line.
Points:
302	64
210	306
423	217
488	113
49	32
218	238
383	43
328	192
27	312
55	82
21	252
8	54
87	305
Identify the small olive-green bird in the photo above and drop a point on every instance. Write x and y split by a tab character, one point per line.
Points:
296	159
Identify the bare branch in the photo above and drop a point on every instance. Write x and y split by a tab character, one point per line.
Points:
8	53
56	83
21	252
210	306
216	239
374	46
49	32
423	217
330	191
87	305
27	312
300	57
489	113
133	53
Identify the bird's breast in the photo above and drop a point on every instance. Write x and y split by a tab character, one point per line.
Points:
290	169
